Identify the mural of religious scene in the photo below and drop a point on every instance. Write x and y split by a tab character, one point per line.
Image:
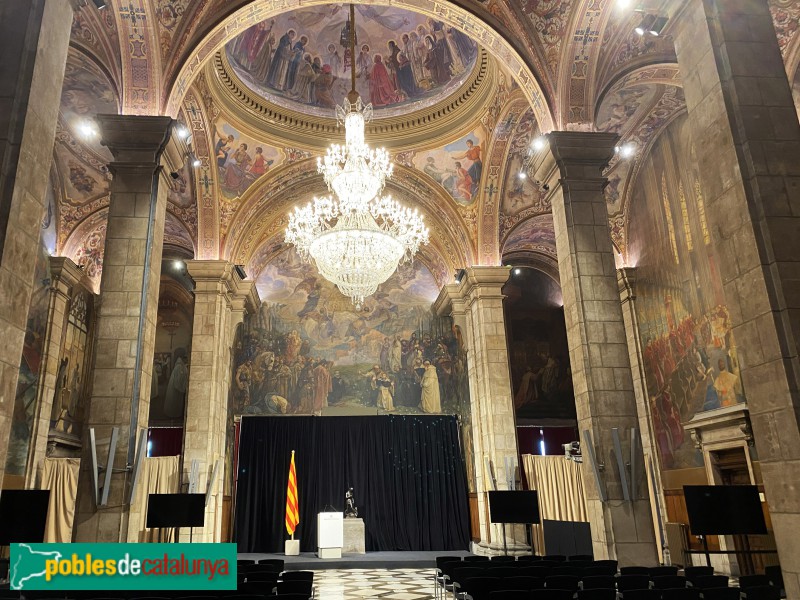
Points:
457	167
689	354
69	398
240	159
538	351
302	57
28	382
170	380
309	350
535	234
520	193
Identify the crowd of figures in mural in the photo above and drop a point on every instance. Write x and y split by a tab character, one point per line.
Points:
309	348
304	55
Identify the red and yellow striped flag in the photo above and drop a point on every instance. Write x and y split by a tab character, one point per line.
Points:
292	512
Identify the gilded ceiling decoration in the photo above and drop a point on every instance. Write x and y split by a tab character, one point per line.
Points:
460	95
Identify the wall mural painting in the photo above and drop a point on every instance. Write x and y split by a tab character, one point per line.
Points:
241	160
457	167
86	92
171	358
535	234
300	59
28	382
309	349
621	105
538	351
520	195
689	354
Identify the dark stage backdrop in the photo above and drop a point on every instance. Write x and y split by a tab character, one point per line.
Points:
406	472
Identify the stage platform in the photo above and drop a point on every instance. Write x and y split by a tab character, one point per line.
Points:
370	560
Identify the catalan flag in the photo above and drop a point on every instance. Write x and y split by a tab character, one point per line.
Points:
292	511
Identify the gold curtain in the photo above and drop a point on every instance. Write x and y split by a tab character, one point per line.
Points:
60	476
560	485
158	476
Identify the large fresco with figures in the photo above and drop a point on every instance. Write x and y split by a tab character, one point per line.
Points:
541	377
457	166
690	358
309	351
404	60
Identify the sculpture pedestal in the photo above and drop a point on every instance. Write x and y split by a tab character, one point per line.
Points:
354	535
292	547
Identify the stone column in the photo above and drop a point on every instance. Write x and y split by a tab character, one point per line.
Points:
572	168
34	37
220	299
626	280
479	298
64	277
144	155
745	129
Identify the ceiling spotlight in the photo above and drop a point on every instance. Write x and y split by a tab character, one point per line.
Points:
87	129
99	4
627	150
178	265
539	143
646	26
196	162
623	4
522	175
183	133
517	271
658	26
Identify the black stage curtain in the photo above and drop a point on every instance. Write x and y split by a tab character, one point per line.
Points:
406	473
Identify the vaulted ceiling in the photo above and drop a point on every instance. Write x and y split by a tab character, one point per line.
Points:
522	68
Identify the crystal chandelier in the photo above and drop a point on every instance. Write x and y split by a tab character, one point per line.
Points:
356	237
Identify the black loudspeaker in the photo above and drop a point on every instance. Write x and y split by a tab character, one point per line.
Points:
724	510
567	538
514	506
176	510
23	516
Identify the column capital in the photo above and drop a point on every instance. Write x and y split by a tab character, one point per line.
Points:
449	302
66	272
483	281
574	158
138	141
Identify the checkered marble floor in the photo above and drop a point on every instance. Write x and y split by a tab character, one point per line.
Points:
363	584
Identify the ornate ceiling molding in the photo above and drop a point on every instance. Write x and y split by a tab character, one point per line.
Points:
141	58
483	33
283	126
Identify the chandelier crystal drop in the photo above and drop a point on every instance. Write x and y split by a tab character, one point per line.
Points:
355	237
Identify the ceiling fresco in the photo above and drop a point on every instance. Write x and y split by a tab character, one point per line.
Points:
404	60
576	63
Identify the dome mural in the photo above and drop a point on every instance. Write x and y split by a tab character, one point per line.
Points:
301	60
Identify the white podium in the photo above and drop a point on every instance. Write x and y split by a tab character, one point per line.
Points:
330	534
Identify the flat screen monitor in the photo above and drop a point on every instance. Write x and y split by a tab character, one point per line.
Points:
23	516
724	509
176	510
514	506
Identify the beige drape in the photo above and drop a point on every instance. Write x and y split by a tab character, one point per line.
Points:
60	476
559	483
158	476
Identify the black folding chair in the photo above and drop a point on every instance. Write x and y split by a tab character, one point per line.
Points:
597	594
245	561
750	581
663	570
775	576
711	581
460	576
633	582
692	573
681	594
666	582
761	592
294	587
476	558
522	583
581	557
568	570
297	576
641	595
479	588
606	562
601	571
273	562
501	558
444	570
555	557
546	594
721	593
599	582
634	571
562	582
509	595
